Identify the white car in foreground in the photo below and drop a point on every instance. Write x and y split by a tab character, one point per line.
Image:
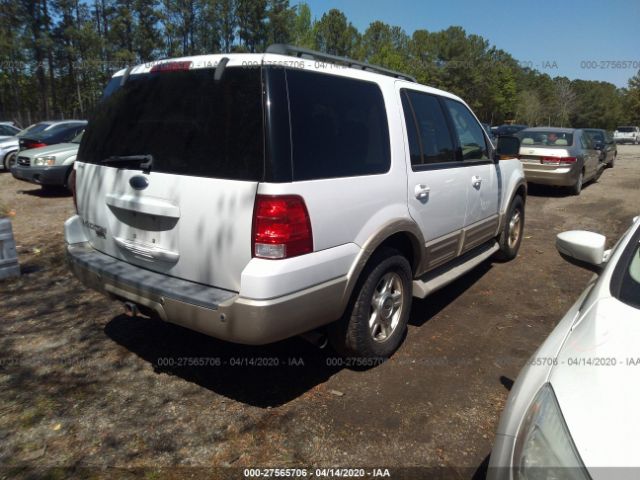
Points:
574	410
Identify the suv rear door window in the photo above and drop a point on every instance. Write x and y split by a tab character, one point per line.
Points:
470	135
429	136
338	126
191	124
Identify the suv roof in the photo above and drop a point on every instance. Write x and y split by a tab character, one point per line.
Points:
303	59
293	51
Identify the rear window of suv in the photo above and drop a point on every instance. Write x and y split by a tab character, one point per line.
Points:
190	123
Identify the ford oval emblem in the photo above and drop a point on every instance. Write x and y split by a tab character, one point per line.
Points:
138	182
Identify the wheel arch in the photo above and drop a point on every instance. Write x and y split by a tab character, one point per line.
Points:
402	235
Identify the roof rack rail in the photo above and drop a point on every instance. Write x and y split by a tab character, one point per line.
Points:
284	49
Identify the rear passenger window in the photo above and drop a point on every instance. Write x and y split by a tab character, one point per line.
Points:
429	136
338	126
585	141
470	135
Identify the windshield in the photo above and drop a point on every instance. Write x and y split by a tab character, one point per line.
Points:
545	138
596	135
630	287
59	133
510	129
190	123
626	129
35	128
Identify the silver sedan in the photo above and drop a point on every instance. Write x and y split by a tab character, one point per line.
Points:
563	157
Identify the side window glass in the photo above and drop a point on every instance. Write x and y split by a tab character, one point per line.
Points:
469	131
584	142
338	126
429	137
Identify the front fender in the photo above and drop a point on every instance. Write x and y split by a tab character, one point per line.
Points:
69	160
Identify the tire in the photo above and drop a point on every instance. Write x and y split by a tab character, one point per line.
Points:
384	292
612	163
9	159
511	237
66	179
577	187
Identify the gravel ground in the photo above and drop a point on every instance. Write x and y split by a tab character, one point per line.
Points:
88	392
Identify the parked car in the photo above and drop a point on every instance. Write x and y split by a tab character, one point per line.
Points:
9	146
603	142
563	157
489	132
7	130
627	135
356	189
60	133
572	412
47	166
509	129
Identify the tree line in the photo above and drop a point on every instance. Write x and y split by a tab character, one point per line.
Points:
57	55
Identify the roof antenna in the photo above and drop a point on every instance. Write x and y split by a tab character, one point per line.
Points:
125	77
217	76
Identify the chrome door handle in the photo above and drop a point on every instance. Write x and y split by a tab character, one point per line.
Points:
421	191
476	181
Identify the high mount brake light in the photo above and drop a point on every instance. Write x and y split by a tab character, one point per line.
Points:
170	67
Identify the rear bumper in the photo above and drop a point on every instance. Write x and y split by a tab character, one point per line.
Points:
55	175
216	312
556	176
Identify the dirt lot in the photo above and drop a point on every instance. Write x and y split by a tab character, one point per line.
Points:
85	388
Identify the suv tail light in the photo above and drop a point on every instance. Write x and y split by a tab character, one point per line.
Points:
559	160
72	186
281	227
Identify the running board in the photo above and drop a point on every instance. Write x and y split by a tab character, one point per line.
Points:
442	276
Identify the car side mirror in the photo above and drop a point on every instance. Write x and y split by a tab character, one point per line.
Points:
598	145
582	248
507	147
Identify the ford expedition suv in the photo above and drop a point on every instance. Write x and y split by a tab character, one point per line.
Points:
254	197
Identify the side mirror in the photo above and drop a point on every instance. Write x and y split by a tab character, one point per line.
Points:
598	145
507	147
582	248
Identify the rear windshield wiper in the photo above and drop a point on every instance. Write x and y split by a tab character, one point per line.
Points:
146	161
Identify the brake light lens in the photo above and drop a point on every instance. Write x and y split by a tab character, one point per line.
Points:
559	160
72	187
281	227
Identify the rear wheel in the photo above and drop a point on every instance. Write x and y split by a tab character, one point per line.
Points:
375	322
511	236
577	187
612	162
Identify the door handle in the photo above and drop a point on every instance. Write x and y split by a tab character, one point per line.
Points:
421	191
476	181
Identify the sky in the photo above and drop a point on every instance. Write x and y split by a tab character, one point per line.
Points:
584	39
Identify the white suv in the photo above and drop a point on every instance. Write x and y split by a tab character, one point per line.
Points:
626	134
254	197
